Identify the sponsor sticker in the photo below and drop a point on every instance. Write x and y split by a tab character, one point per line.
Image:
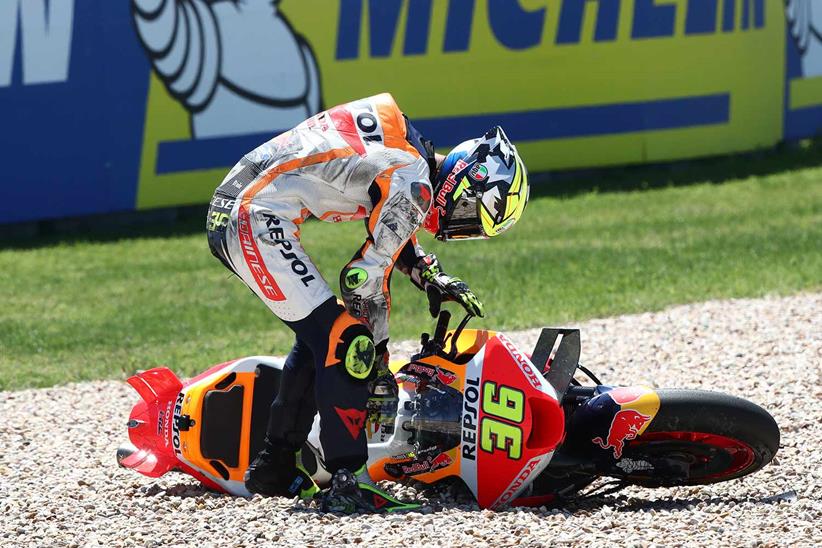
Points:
520	481
354	278
524	364
626	425
630	465
478	172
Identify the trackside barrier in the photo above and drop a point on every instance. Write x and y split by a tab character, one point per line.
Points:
137	104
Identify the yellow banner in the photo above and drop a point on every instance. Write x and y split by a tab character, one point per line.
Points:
575	83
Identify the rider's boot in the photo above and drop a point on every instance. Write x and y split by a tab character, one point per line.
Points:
357	492
303	485
278	471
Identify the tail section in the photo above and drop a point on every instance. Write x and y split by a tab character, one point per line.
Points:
151	423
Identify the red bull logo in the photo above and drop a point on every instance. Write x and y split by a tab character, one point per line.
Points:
628	394
421	464
626	425
421	369
441	461
446	377
429	374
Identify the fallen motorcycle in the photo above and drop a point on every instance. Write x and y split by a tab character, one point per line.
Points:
515	428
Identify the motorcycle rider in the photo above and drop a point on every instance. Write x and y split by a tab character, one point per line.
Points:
360	160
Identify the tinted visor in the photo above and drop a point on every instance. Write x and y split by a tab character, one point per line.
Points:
463	223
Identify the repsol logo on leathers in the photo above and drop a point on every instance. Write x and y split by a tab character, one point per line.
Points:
470	418
277	234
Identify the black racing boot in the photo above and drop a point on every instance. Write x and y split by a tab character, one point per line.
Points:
277	471
356	492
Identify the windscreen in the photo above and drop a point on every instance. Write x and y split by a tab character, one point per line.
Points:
437	420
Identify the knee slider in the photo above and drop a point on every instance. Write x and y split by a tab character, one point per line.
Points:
351	345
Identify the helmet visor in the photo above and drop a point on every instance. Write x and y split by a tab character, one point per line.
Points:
464	221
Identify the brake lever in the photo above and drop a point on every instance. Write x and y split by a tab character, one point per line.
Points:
456	334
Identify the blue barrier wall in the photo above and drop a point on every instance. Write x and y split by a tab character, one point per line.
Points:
120	105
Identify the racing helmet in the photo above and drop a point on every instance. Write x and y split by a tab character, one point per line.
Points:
481	189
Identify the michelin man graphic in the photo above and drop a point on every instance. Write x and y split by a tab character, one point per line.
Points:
237	66
805	24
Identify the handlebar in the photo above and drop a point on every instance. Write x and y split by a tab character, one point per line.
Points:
436	344
442	326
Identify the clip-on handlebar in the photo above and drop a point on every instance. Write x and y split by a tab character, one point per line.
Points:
436	344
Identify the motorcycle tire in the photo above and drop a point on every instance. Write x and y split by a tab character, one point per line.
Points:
702	437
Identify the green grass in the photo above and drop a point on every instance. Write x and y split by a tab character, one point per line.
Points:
76	309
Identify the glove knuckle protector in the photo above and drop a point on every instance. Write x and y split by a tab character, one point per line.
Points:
428	274
351	345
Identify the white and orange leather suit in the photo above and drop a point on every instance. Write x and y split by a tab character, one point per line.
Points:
351	162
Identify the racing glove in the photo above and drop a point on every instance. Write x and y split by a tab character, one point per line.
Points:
428	275
383	389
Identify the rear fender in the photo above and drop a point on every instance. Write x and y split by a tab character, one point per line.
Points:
611	418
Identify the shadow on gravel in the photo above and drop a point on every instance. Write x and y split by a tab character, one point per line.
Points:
438	502
181	489
634	504
188	220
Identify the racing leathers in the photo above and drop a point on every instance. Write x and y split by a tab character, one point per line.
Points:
361	160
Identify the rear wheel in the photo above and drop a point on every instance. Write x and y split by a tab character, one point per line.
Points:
700	437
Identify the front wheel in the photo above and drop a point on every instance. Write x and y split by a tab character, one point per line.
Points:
700	437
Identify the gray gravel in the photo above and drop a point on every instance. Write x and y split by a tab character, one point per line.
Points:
59	484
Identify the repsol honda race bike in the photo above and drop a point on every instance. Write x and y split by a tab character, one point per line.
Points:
515	428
